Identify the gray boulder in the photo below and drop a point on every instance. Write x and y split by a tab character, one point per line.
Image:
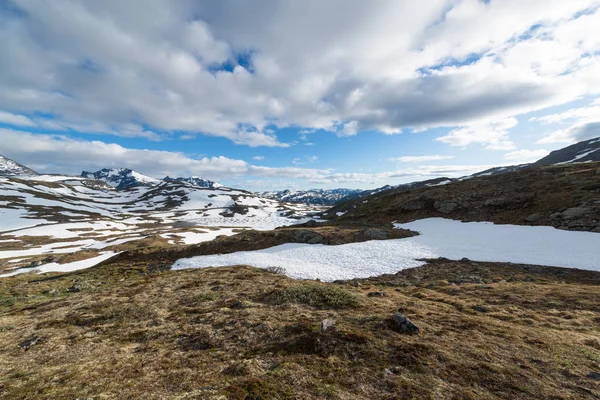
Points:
404	325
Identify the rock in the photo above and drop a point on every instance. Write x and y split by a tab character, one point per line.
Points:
376	294
34	264
464	259
480	308
575	212
375	234
413	205
49	259
555	216
445	206
533	217
310	237
327	324
29	343
404	325
594	375
74	288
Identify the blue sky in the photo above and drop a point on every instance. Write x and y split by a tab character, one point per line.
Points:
296	95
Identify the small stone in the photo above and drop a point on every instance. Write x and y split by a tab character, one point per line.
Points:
74	288
480	308
29	343
465	259
405	325
376	294
327	324
594	375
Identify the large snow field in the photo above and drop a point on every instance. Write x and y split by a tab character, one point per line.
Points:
480	241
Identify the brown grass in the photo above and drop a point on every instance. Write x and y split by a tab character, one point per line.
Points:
489	331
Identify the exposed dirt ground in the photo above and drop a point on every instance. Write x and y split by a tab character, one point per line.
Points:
132	330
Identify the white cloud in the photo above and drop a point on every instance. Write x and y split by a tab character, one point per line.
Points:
17	120
417	159
40	151
258	158
494	135
575	133
526	155
100	66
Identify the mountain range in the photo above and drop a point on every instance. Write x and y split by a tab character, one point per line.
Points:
124	178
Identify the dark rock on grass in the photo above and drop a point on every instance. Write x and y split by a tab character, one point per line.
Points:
29	343
594	375
401	323
480	308
376	294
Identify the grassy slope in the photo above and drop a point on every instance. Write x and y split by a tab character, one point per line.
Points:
489	331
508	198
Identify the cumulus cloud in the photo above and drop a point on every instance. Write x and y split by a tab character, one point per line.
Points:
136	68
39	152
258	158
575	133
417	159
494	135
526	155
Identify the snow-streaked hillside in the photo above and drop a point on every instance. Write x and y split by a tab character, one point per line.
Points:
121	178
52	217
314	196
9	167
195	181
586	151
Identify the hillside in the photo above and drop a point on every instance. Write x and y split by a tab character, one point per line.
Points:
9	167
61	218
528	196
585	151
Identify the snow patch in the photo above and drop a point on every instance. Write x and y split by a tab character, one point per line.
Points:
481	241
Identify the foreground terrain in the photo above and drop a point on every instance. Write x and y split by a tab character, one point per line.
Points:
138	330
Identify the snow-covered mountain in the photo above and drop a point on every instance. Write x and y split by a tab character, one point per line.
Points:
314	196
588	150
121	178
56	215
9	167
194	181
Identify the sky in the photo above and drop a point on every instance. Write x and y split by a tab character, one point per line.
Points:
273	95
